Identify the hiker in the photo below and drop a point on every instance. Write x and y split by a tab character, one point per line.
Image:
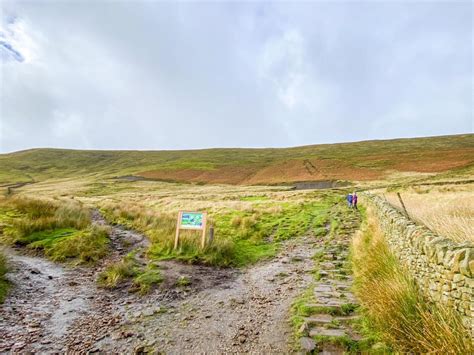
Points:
354	200
349	200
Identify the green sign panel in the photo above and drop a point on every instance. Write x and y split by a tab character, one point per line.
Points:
192	220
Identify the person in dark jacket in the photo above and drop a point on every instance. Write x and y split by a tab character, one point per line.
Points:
354	200
349	200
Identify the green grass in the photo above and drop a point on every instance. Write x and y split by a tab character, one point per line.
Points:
116	273
62	231
183	281
241	237
147	279
4	284
140	279
254	198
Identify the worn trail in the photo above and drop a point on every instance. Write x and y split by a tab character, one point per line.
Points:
248	312
58	309
49	299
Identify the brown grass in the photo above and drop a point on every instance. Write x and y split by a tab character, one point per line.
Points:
447	210
396	310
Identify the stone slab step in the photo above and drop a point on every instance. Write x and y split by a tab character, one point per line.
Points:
323	288
327	332
318	319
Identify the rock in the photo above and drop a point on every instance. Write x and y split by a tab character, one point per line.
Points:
327	332
307	344
323	288
242	338
303	329
148	312
319	319
139	350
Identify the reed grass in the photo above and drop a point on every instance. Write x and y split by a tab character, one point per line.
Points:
447	210
395	309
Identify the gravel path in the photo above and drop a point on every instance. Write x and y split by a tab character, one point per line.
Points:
53	308
247	313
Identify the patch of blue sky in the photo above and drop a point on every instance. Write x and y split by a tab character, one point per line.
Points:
7	52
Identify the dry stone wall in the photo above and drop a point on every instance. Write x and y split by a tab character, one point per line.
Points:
443	269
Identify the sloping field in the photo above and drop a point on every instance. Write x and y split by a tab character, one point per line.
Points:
360	161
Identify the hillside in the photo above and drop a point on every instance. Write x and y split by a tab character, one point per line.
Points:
368	160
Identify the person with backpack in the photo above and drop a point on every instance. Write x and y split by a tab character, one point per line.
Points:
354	200
349	200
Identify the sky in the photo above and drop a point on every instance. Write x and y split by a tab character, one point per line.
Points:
185	75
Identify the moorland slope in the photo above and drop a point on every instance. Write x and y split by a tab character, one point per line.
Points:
358	161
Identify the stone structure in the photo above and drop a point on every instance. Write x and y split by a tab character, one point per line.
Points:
443	269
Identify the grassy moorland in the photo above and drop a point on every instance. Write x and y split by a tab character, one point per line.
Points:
251	223
360	161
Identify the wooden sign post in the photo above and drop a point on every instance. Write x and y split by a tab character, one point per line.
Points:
191	220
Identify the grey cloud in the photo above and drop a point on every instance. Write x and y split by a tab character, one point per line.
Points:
145	75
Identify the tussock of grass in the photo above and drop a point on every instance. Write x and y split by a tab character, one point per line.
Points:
86	246
62	230
31	215
127	269
183	281
145	280
396	311
116	273
4	284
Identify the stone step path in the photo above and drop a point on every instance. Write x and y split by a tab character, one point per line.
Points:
330	327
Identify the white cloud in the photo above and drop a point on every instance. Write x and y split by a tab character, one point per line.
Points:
160	75
283	65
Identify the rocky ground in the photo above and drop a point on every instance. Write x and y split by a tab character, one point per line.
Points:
53	308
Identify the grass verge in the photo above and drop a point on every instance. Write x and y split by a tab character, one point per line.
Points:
62	230
395	310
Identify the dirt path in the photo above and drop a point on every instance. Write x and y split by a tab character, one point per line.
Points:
247	313
48	299
57	309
